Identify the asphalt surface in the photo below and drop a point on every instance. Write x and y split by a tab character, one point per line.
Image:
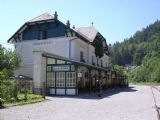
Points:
133	103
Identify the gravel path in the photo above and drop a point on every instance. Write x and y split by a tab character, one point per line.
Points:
133	103
156	96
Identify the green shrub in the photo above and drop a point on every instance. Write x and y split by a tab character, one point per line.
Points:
149	71
7	90
33	96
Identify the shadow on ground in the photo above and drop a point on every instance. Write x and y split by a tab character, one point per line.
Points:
94	96
108	93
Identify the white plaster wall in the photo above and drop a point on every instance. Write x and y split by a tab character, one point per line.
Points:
80	45
89	51
105	59
25	69
39	71
72	46
92	53
58	46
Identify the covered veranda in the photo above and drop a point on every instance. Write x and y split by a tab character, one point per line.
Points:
69	77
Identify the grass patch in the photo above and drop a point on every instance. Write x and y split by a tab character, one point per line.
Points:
31	98
145	83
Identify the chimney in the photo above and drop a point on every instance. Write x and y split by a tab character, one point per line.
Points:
56	15
73	27
68	23
92	24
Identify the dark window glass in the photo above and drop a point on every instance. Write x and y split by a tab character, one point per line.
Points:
81	56
101	63
97	62
42	34
92	59
93	63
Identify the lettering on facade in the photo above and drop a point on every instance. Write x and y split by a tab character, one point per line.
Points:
42	43
61	68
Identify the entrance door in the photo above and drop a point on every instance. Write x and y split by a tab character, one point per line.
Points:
51	83
70	83
60	83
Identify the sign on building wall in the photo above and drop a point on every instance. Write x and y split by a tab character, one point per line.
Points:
79	75
61	68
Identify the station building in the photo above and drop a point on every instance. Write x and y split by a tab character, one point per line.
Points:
65	58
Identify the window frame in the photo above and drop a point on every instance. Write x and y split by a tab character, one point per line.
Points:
42	34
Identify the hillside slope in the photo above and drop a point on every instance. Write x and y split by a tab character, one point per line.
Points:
134	49
143	49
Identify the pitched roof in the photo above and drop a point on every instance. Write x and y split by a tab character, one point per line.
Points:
42	17
87	32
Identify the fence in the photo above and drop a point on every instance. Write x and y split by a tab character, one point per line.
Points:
15	90
9	89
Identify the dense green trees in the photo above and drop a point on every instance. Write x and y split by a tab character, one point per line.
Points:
9	61
119	69
99	49
143	49
134	49
149	71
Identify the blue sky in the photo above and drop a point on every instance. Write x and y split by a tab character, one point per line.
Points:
115	19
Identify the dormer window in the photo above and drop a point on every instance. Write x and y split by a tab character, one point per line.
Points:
42	34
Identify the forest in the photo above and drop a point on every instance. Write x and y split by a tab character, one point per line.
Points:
142	49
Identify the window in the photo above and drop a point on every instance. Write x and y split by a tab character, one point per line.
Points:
101	63
60	79
50	79
72	68
93	60
97	62
51	61
82	56
68	62
42	34
49	69
70	79
60	62
86	75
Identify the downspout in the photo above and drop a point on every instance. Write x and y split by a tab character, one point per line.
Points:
88	53
75	67
70	41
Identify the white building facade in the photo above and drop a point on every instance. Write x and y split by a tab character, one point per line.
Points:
62	58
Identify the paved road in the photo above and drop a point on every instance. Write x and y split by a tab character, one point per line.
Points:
133	103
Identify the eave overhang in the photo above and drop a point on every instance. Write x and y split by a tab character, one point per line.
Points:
49	55
20	30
